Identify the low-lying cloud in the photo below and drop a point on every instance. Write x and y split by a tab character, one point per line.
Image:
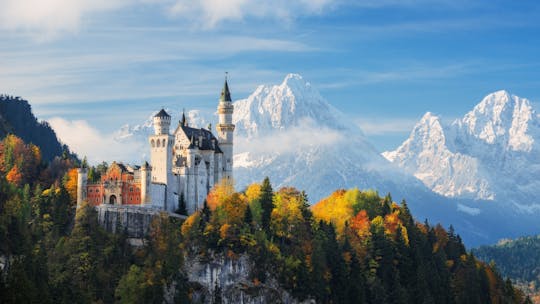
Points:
307	134
86	140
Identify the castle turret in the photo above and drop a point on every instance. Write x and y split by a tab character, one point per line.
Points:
162	122
146	176
82	180
161	148
225	129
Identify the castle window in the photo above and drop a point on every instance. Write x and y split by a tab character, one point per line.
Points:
153	143
163	142
158	143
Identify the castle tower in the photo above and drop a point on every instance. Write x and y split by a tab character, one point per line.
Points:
82	180
146	172
225	129
161	148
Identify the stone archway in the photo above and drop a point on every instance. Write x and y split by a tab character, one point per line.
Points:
112	199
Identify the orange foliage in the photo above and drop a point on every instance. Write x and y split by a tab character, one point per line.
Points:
442	238
219	193
26	158
71	184
224	231
360	224
14	176
391	223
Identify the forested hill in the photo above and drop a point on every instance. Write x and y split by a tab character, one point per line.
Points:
16	118
517	259
259	245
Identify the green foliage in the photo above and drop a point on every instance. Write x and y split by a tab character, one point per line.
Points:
353	247
517	259
383	256
267	205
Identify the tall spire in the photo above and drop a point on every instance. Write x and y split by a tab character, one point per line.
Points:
183	122
225	94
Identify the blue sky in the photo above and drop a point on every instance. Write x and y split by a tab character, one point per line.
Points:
107	63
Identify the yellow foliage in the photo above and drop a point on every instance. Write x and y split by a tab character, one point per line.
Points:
336	209
219	193
71	184
286	213
224	231
192	222
253	192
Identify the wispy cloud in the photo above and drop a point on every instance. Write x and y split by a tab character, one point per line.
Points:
383	126
209	13
48	18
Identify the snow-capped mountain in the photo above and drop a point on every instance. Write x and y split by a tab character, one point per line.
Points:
290	133
492	153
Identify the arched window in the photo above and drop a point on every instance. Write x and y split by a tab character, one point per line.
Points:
153	143
158	143
163	142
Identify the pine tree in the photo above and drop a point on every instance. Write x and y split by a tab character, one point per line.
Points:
182	210
248	216
267	203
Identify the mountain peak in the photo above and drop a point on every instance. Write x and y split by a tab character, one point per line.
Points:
285	105
502	118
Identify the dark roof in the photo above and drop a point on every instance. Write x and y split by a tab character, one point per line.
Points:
183	121
193	133
162	113
225	94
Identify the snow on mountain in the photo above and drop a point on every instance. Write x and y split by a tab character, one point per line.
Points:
492	153
290	133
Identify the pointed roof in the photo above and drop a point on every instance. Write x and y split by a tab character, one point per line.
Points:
183	121
225	94
162	113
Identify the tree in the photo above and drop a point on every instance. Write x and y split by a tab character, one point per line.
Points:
267	204
182	209
248	216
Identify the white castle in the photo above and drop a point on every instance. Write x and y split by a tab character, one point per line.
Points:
183	165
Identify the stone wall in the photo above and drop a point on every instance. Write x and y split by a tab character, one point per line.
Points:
135	220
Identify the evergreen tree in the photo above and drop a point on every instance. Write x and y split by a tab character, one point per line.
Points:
248	216
182	209
267	204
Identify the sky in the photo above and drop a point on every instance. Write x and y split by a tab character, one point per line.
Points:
91	66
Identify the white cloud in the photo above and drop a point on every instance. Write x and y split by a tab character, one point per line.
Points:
50	17
87	141
307	134
209	13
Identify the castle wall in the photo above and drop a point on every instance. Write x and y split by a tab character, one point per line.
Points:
135	221
158	194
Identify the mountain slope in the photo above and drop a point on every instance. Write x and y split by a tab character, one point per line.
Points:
518	260
16	117
305	142
492	153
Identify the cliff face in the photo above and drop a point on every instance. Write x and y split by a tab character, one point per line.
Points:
220	279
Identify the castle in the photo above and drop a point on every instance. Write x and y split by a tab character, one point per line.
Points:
184	165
